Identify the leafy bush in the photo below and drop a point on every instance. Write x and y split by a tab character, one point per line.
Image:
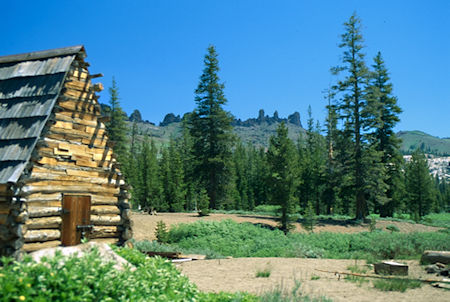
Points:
230	238
161	232
393	228
437	219
88	279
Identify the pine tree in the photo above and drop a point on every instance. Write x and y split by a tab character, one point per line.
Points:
331	177
132	168
355	114
314	160
149	189
211	131
283	176
419	185
116	127
379	95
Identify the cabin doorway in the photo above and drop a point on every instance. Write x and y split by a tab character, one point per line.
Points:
76	218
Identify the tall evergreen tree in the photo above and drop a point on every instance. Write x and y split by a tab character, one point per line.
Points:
380	97
314	159
331	179
172	178
211	131
149	188
419	185
283	176
116	127
354	112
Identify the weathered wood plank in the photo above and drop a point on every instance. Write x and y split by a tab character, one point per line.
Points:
31	247
68	188
100	210
52	222
104	232
106	220
36	211
42	235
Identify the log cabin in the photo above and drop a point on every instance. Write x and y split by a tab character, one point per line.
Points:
59	177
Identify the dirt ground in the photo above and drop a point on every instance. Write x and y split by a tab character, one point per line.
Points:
144	224
239	274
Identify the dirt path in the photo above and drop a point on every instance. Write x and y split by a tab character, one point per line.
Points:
239	274
144	224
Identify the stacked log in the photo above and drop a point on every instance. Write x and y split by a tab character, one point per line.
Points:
12	217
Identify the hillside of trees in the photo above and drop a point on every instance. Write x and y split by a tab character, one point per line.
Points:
350	164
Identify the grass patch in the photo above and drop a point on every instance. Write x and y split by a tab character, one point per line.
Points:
399	285
265	273
359	270
280	295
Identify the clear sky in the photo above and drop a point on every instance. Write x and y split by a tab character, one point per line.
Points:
274	55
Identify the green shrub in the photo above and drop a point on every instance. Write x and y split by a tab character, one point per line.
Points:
229	238
399	285
265	273
309	219
393	228
88	279
437	220
203	203
161	232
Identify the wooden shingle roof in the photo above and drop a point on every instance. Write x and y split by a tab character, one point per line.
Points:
29	87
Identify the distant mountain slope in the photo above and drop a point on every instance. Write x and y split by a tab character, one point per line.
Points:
411	140
255	131
257	135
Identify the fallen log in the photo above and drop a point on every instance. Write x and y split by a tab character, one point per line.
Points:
431	257
169	255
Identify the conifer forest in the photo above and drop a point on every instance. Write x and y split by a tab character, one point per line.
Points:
348	164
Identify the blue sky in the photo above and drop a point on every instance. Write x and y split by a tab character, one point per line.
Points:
274	55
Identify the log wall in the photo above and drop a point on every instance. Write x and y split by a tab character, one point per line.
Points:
13	215
74	156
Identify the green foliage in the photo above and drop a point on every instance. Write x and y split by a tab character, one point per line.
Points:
372	224
282	174
393	228
229	238
265	273
419	186
88	279
279	294
399	285
116	127
203	203
437	219
161	232
309	219
209	126
413	140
